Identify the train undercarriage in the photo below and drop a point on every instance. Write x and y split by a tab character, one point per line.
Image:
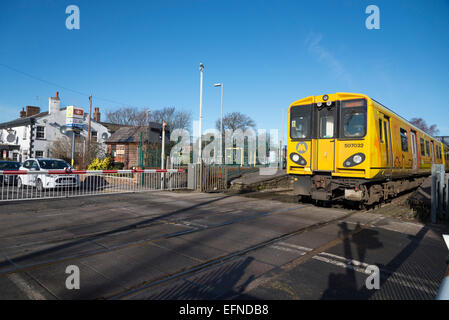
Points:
324	187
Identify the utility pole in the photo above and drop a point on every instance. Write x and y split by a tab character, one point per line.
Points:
88	129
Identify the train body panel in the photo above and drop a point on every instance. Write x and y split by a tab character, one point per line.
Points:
340	144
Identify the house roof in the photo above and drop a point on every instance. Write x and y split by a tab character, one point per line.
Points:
150	134
22	121
112	127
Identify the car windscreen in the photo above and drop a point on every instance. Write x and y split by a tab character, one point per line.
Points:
9	165
53	164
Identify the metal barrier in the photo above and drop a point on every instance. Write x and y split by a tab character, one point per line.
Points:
439	194
45	184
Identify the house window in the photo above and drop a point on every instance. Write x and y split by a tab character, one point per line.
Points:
15	156
39	154
40	132
94	136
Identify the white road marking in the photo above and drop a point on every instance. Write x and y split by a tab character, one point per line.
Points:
446	239
358	266
20	283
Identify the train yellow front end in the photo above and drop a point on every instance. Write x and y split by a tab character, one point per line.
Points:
349	146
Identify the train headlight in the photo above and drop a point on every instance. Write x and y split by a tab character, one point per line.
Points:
354	160
357	158
319	104
298	159
329	103
325	97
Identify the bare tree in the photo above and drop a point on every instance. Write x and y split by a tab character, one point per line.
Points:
234	121
175	119
135	117
128	116
62	149
421	124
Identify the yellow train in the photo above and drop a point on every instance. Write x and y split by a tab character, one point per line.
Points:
349	146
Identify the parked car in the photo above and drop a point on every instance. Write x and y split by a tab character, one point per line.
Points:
9	166
47	181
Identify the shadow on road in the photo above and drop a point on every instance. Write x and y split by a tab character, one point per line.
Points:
65	246
344	286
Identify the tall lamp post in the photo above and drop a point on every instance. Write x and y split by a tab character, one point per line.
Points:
221	117
201	112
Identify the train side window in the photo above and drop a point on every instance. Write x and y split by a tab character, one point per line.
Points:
423	150
427	148
404	140
380	131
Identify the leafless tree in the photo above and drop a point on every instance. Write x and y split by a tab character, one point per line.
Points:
134	117
234	121
176	119
62	149
421	124
128	116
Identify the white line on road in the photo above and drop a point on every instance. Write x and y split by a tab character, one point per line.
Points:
339	261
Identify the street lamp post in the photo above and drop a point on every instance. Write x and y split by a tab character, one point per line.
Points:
200	160
221	117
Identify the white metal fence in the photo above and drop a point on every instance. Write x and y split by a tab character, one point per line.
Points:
26	185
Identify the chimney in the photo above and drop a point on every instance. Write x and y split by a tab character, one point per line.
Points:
32	110
23	113
54	103
97	114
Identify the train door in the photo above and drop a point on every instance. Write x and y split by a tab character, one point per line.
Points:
388	147
432	150
414	151
325	151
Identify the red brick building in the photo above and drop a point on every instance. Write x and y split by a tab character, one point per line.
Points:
123	145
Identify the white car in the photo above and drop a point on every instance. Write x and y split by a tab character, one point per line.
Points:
47	181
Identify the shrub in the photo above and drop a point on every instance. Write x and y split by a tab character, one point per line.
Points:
98	164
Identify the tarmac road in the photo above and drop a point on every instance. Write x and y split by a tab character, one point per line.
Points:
182	245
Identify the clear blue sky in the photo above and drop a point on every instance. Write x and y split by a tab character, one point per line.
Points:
267	53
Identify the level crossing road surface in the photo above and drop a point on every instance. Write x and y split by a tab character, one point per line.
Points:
187	245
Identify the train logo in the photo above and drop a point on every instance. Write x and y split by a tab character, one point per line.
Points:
301	147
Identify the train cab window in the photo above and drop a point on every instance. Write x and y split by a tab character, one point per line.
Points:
327	126
301	120
423	150
404	140
353	116
427	148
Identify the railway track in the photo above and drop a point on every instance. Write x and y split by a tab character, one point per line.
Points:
93	236
186	221
221	259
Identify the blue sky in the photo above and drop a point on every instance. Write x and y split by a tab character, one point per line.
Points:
267	53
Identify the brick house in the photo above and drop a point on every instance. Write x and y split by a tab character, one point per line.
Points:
123	145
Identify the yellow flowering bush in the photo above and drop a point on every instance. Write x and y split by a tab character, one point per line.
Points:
98	164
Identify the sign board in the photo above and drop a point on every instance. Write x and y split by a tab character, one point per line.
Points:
74	118
75	112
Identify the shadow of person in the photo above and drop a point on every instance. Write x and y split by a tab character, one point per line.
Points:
344	285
